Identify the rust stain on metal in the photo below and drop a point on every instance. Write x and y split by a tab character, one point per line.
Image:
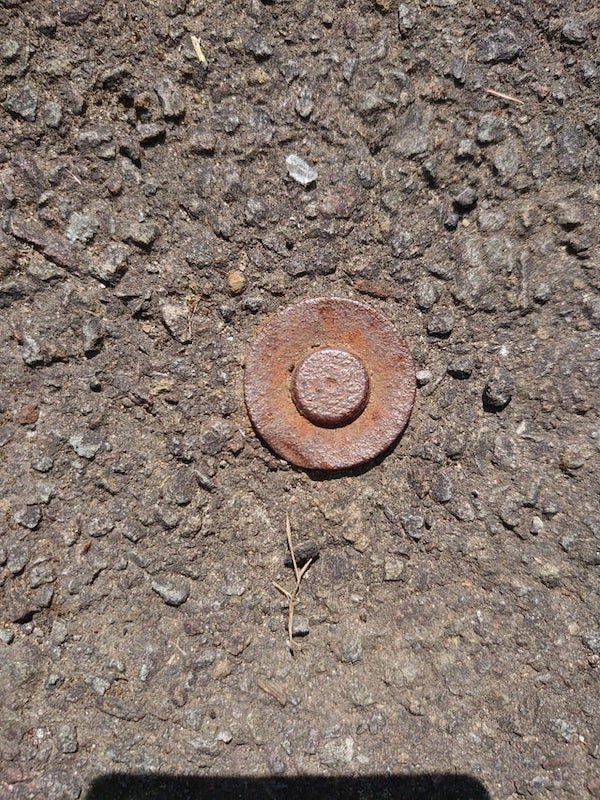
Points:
329	384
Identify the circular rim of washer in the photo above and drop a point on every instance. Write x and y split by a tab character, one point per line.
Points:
290	336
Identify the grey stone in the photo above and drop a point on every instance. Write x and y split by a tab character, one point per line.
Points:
498	390
462	509
111	265
451	221
537	526
18	557
52	114
32	353
504	452
407	18
427	294
377	723
490	129
23	103
423	376
41	574
141	233
59	633
575	30
202	140
350	651
303	552
465	149
258	46
9	50
92	334
412	523
56	248
228	120
466	199
132	530
507	160
413	134
97	526
393	568
440	323
175	318
6	636
149	132
300	626
563	730
501	45
570	143
300	170
214	440
461	367
256	211
82	227
173	592
67	738
442	487
91	138
233	585
592	641
182	487
171	101
337	754
549	574
60	784
304	102
510	510
28	516
86	444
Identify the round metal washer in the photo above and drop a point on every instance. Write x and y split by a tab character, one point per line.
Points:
286	340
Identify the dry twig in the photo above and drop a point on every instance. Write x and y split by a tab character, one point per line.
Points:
198	50
292	597
503	96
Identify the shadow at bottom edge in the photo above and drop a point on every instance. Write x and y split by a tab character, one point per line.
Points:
430	786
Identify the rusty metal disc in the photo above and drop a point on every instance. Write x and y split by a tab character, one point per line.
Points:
329	384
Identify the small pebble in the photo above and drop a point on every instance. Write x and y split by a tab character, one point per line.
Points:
498	390
536	527
27	415
236	281
461	367
258	47
501	45
490	129
42	463
86	444
440	323
575	30
407	17
424	376
393	569
28	516
442	488
427	294
466	199
300	626
6	636
173	105
173	594
300	170
303	552
23	103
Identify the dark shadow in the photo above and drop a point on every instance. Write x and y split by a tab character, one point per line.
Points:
376	787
